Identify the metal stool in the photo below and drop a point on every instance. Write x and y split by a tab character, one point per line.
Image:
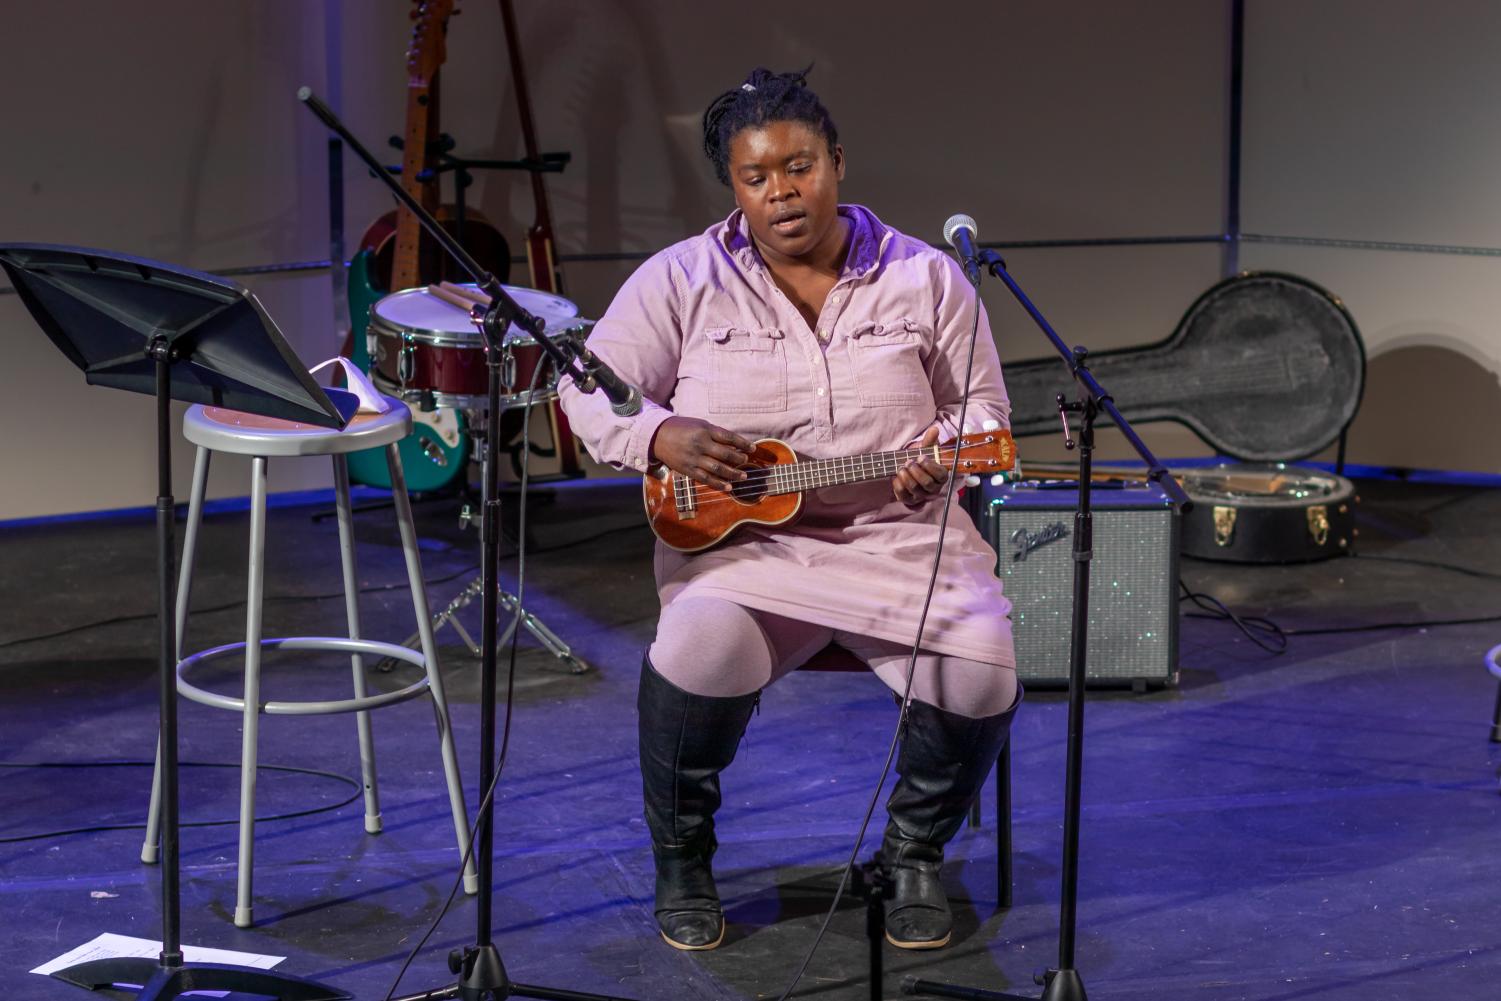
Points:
214	429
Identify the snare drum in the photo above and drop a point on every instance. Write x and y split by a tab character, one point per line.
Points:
432	354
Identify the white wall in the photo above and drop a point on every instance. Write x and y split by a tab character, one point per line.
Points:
170	130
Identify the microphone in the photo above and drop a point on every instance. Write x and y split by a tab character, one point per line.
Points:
959	231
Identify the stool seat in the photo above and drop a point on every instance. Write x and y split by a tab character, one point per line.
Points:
248	434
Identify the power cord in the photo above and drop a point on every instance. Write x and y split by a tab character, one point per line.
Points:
901	724
319	773
1250	625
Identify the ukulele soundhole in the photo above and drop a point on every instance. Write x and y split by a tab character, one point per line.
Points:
751	489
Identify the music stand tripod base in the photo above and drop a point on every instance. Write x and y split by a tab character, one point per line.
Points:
164	983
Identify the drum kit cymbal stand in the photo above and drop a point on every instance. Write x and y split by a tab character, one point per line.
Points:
481	973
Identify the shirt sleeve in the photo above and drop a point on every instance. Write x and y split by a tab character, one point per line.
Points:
955	306
640	338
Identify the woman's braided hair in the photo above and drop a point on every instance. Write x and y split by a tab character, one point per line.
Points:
764	97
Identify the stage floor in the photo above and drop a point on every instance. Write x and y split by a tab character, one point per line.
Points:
1320	824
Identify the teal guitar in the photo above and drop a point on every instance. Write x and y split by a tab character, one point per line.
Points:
436	454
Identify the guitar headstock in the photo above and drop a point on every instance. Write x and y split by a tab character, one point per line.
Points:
428	48
986	452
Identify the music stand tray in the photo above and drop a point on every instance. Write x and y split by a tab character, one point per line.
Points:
176	334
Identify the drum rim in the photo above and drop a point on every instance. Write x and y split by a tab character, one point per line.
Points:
464	338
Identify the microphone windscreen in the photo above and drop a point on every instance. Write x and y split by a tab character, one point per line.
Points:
957	222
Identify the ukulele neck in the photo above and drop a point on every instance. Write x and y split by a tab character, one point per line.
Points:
811	474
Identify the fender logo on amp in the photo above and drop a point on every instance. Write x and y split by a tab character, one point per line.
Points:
1023	541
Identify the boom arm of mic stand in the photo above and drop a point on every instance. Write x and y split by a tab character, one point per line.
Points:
1156	471
503	310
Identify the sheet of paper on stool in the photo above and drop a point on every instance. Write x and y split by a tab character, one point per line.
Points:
112	946
357	384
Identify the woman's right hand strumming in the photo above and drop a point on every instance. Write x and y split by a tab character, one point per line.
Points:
701	451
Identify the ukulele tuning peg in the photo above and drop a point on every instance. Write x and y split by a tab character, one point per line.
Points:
969	428
990	425
971	481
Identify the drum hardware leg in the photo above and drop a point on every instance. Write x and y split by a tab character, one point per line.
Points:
449	616
544	635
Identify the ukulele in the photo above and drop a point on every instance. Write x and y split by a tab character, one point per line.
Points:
689	516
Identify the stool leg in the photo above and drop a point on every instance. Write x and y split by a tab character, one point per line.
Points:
430	657
149	847
251	721
357	663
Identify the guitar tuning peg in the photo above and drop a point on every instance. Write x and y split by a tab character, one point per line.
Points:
971	481
997	480
991	425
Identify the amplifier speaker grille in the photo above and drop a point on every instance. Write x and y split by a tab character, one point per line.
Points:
1133	601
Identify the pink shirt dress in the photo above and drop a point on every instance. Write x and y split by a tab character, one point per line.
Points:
704	332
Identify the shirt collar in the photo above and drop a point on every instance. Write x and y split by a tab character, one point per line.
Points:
867	243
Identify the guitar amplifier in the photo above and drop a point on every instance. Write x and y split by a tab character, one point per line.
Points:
1133	599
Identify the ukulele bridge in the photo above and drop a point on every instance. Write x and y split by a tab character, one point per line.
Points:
683	496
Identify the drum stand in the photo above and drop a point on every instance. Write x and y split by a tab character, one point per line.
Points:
551	641
508	605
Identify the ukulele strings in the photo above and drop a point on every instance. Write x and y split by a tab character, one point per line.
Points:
704	494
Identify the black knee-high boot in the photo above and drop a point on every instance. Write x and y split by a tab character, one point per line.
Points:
686	741
943	761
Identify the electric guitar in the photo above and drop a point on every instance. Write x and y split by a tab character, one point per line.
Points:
690	516
436	453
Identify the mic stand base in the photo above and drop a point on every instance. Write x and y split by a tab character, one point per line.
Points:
1058	985
165	983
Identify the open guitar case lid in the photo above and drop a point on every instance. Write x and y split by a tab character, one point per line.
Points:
1265	367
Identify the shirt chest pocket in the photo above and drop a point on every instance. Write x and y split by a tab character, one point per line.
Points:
887	359
749	370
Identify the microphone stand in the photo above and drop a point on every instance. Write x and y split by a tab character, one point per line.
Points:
1063	982
481	972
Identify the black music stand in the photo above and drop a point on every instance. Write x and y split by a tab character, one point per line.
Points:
184	335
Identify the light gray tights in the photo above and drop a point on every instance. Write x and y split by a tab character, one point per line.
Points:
709	646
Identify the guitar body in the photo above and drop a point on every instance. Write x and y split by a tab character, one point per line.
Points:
436	453
484	242
717	513
397	254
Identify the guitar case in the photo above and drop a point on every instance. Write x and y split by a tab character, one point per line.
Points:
1267	513
1265	367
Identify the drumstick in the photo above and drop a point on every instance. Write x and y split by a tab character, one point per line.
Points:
451	298
472	294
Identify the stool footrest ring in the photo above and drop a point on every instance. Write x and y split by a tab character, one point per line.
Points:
337	644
